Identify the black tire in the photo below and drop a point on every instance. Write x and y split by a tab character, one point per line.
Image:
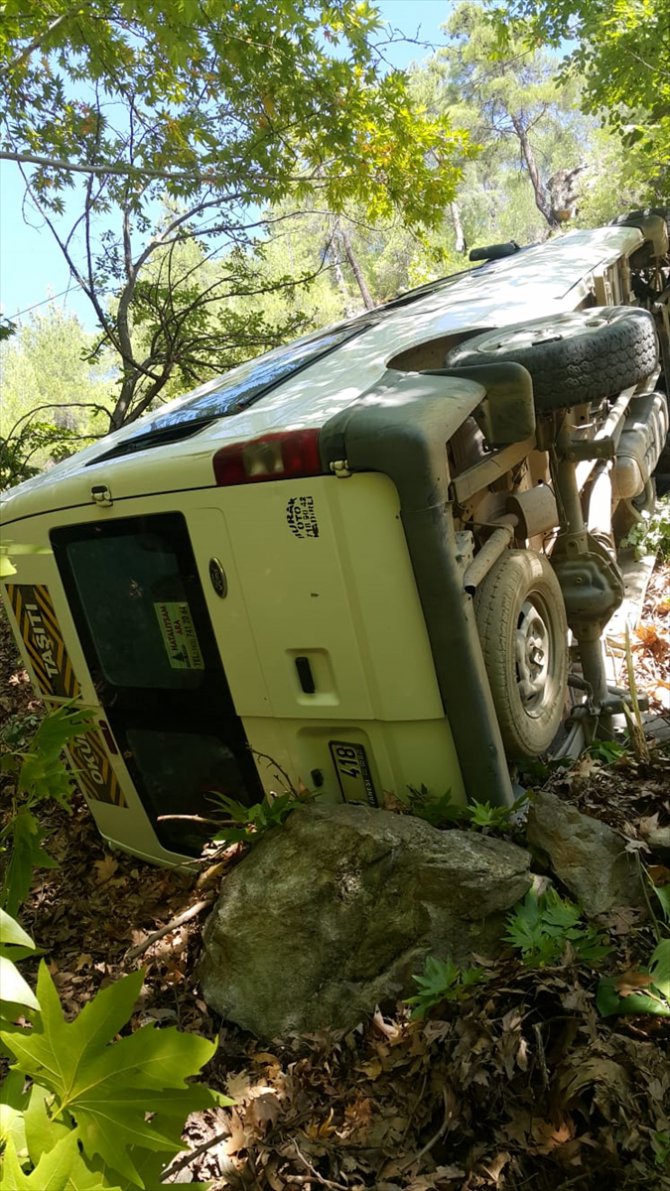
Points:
644	219
524	636
573	358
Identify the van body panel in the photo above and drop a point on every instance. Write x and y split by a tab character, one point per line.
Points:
249	639
309	587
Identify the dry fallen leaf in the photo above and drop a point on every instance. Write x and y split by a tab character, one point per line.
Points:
659	874
105	868
631	982
239	1135
358	1114
317	1130
264	1111
546	1136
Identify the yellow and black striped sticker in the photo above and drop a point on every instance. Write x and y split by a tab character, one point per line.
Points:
39	628
88	756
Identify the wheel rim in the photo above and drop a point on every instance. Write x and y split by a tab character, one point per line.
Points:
535	658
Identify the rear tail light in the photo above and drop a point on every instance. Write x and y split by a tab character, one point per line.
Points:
288	455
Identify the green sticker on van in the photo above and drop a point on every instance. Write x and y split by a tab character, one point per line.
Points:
179	636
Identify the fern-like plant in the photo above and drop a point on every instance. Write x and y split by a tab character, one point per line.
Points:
442	980
238	823
541	927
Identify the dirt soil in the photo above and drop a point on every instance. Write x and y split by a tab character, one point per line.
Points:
522	1086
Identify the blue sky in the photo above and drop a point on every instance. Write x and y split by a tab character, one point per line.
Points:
31	266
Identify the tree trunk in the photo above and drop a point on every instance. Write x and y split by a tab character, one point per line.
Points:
461	245
348	307
541	200
343	237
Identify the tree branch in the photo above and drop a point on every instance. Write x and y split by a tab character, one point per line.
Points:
101	409
36	43
201	177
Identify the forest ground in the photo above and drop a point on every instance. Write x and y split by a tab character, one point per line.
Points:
521	1086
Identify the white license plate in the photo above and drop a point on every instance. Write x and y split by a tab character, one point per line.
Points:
353	772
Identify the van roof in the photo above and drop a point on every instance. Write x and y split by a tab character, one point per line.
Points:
328	370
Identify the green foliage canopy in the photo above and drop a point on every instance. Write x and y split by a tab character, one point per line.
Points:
243	98
176	121
623	56
509	99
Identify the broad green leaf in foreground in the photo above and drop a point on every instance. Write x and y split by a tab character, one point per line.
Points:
15	944
107	1087
15	989
13	1100
12	934
62	1169
42	1131
610	1003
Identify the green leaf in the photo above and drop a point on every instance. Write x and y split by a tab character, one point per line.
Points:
105	1086
12	933
15	993
542	927
663	894
442	980
61	1169
659	967
13	988
13	1099
43	773
660	1142
42	1131
610	1004
26	854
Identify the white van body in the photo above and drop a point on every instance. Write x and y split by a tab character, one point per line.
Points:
241	613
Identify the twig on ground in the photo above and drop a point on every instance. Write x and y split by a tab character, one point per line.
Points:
541	1057
155	935
190	1157
434	1139
191	819
315	1174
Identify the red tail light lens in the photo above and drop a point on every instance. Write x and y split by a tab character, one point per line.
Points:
288	455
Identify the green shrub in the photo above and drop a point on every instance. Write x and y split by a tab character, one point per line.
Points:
541	928
248	824
651	535
39	774
442	980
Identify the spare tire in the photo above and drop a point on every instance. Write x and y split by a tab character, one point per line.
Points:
654	223
573	358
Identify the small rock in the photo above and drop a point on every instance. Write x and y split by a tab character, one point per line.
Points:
659	840
332	913
586	855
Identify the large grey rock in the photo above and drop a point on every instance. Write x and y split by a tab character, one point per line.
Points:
586	855
334	911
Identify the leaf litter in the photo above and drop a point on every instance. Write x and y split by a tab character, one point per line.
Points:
519	1085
